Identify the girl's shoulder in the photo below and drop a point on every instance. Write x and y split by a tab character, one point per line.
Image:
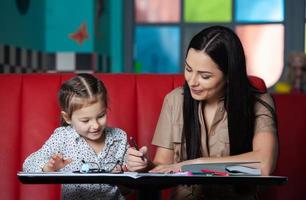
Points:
116	133
64	131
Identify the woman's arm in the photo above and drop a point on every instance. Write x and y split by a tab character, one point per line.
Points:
265	151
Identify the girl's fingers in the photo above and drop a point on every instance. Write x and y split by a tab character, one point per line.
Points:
57	156
50	165
125	168
136	166
67	161
143	150
136	159
134	152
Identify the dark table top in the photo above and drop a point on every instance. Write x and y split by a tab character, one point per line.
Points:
146	180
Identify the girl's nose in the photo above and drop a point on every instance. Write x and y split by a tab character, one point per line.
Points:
95	124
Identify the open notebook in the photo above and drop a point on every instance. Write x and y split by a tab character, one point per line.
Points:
230	168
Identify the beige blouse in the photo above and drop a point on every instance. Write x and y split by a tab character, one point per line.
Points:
168	132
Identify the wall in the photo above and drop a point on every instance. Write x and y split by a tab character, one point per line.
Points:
23	30
46	29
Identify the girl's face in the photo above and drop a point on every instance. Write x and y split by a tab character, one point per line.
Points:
205	80
90	121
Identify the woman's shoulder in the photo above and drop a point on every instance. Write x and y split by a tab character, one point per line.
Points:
175	96
176	92
264	103
266	97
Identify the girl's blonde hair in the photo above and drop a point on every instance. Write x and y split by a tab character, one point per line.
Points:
79	91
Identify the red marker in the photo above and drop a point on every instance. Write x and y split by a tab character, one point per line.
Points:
214	172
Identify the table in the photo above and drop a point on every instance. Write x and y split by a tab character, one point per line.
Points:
148	183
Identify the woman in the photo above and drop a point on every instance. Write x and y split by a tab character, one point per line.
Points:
216	117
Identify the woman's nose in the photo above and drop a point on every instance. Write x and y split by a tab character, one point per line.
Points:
193	81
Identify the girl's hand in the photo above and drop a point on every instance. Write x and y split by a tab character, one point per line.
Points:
136	160
119	168
55	163
167	168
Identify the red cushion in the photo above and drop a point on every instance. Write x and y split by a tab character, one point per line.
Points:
40	116
291	111
10	121
122	101
150	90
29	114
258	83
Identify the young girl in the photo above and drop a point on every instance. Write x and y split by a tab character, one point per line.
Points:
83	138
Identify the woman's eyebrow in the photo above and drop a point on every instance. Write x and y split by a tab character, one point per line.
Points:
206	72
187	63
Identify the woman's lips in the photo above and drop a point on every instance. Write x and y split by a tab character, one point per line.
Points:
196	91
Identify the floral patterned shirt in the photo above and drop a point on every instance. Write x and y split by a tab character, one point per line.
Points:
66	141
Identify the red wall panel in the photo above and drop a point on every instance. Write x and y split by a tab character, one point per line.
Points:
151	90
122	105
10	90
40	116
29	113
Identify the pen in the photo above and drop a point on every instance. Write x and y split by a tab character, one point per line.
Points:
136	146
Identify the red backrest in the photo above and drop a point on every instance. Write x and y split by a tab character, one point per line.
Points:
10	91
291	110
258	83
39	114
29	113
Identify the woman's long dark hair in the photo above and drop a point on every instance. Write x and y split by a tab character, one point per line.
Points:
225	49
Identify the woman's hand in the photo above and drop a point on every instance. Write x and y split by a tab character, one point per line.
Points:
167	168
55	163
137	160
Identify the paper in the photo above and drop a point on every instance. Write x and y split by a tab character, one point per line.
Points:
236	169
232	168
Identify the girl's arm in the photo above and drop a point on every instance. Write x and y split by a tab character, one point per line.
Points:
37	160
265	151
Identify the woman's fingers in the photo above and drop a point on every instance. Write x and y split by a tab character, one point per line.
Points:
166	168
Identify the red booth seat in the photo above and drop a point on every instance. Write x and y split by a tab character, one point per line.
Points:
29	113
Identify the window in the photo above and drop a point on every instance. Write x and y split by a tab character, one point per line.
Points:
161	31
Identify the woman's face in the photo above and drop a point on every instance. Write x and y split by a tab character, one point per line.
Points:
205	80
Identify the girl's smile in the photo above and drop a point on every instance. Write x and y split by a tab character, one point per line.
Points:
90	121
